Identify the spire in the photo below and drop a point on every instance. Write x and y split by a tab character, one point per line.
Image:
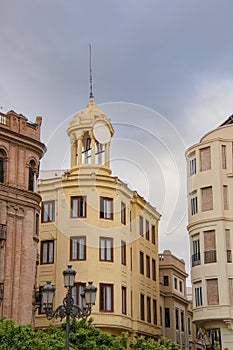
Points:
91	97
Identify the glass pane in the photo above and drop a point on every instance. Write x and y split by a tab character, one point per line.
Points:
45	213
44	252
75	208
109	298
50	252
74	249
81	248
108	253
102	249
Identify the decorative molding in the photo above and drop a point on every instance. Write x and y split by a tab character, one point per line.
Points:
229	324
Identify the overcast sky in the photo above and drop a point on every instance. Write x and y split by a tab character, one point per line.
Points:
168	62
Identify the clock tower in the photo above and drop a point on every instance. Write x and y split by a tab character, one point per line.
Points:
90	132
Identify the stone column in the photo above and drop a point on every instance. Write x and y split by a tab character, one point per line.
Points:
80	145
92	147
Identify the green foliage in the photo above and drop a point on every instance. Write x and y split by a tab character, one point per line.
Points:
150	344
83	336
216	345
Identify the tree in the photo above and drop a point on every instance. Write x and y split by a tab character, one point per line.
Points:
83	336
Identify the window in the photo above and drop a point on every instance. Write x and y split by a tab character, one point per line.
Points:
31	175
198	295
86	152
212	291
231	290
182	320
147	230
106	208
153	270
147	266
225	197
106	297
141	225
210	247
77	292
205	159
48	211
78	248
78	207
130	221
141	262
106	249
131	259
2	165
228	245
193	203
189	325
224	157
175	282
37	225
123	252
123	299
123	213
196	257
99	153
177	319
154	311
167	317
207	198
148	307
142	307
166	280
192	165
47	252
153	234
181	286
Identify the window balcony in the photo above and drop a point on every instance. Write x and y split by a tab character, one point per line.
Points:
210	256
196	259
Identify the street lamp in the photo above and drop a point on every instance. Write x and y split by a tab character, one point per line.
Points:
69	308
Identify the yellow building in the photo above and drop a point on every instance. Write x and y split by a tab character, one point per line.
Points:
210	191
107	232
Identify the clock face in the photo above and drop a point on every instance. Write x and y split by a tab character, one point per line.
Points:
101	132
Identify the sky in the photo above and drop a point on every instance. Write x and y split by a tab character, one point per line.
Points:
162	71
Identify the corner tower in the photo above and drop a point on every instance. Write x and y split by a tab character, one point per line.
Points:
90	132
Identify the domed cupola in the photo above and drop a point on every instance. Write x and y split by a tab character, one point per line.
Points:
90	132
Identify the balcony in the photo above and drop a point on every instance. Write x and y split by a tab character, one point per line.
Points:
3	119
210	256
196	259
2	232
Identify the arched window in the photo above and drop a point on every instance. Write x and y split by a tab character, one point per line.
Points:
2	165
31	175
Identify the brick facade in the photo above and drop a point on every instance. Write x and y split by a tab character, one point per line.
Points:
20	148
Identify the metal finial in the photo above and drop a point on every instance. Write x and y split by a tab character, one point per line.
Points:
91	93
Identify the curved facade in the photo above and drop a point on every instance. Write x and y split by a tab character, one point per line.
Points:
107	232
210	197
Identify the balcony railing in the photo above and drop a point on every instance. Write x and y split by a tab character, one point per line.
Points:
210	256
229	256
2	232
196	259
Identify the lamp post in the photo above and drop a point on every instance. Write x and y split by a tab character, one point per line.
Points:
69	308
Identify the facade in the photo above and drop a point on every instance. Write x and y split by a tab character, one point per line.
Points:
210	192
174	305
20	152
107	232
